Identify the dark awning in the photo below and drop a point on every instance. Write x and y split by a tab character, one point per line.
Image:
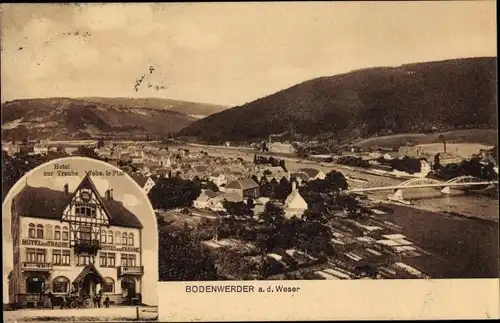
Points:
89	269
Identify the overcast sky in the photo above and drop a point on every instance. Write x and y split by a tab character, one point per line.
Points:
226	53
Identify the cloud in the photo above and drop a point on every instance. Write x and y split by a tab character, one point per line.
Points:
130	200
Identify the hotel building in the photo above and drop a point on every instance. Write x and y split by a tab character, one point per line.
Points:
75	241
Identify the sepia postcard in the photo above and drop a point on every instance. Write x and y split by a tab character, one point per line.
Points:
249	161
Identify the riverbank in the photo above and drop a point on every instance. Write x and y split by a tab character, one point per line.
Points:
460	247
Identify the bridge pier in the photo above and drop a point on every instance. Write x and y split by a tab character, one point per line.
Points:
446	190
398	194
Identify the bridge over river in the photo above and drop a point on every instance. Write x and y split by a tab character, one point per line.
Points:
414	183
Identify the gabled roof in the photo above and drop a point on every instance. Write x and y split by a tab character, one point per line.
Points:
232	197
42	202
88	269
200	168
292	196
139	179
300	175
243	184
311	172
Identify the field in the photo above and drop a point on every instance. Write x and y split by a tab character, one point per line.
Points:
486	137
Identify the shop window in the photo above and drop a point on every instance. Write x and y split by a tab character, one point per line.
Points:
60	284
109	285
35	285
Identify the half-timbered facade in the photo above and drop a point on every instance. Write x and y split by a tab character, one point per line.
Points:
75	241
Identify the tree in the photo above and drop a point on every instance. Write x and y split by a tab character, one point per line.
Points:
100	143
273	187
181	258
283	189
273	214
173	192
212	186
437	164
239	209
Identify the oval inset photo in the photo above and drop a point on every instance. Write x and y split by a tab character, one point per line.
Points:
79	234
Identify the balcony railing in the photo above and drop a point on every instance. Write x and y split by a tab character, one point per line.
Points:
90	247
131	270
36	266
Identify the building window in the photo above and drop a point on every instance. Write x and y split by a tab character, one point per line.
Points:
131	239
85	211
60	284
102	259
56	257
66	256
103	236
40	255
109	285
124	260
65	234
110	237
83	260
131	260
124	238
127	260
31	255
35	285
117	238
31	231
57	233
39	231
111	259
85	233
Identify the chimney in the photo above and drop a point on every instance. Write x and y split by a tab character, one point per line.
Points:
108	195
66	189
294	185
111	194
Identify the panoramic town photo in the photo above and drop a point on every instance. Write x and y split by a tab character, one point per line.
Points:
274	141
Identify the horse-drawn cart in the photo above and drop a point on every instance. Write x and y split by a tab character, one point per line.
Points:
84	301
70	301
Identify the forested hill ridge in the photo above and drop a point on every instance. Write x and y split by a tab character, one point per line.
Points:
193	109
421	97
67	118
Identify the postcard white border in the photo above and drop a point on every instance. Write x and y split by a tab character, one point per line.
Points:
333	300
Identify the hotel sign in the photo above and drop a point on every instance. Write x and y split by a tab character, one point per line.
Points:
118	248
42	243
